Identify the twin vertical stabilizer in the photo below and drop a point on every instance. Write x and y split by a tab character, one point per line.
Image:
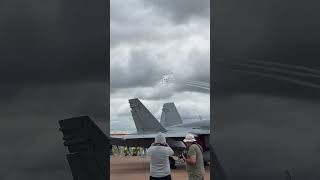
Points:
143	119
170	116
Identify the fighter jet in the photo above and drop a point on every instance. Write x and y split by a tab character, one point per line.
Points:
171	125
89	147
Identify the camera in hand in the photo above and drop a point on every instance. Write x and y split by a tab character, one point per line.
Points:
184	154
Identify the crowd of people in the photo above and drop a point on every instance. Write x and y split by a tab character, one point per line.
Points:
127	151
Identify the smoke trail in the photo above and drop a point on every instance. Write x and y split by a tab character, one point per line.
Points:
199	83
169	78
195	85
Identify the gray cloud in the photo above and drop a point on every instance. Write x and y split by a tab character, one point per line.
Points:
145	69
181	11
140	70
148	22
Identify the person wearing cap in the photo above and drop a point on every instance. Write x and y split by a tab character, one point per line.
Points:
160	151
194	159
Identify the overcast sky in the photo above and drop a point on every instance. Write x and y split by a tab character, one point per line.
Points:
152	38
266	122
52	66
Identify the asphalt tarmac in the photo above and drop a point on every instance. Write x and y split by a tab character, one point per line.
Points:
137	168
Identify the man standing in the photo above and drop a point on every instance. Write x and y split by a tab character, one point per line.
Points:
194	159
160	152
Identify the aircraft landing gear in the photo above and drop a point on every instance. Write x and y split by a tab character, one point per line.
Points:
172	163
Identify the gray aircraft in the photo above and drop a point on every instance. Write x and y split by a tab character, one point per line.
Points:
171	125
89	147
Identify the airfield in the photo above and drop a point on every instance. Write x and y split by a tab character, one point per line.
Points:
137	168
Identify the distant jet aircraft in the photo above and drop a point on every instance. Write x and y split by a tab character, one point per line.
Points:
170	124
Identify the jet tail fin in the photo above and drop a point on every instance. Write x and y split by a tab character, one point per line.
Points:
170	116
143	119
88	148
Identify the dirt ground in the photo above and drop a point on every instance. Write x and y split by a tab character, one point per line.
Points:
136	168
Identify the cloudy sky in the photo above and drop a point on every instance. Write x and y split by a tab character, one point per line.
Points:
266	99
53	66
152	38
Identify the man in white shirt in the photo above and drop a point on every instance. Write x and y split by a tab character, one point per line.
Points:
159	151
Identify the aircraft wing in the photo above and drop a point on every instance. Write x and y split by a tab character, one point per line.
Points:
142	140
145	140
131	142
150	136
